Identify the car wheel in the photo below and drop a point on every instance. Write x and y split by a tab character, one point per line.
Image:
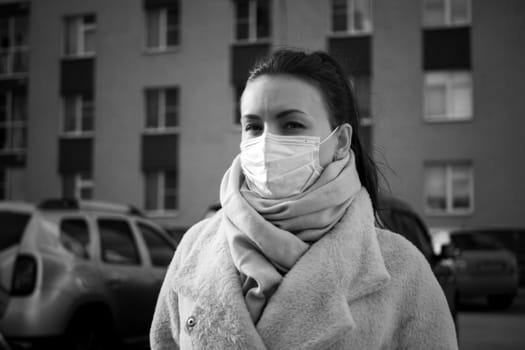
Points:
87	332
500	302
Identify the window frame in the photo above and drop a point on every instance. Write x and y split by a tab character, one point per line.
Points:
447	16
449	195
12	50
135	239
79	184
448	78
10	124
161	127
252	23
80	37
162	30
350	24
139	224
89	246
79	102
160	210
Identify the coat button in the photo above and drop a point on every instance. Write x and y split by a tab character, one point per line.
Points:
190	323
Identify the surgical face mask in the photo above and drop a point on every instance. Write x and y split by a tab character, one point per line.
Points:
278	166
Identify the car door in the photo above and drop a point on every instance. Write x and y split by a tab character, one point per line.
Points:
125	274
160	249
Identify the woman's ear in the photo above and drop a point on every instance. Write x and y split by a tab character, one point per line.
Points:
344	140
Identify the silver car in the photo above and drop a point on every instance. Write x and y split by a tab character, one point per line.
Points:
79	274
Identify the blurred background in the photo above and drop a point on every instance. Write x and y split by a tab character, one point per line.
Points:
136	102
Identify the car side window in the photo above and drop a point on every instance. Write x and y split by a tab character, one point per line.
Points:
413	230
160	249
74	236
118	245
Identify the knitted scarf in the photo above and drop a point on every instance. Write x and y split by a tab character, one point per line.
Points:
267	237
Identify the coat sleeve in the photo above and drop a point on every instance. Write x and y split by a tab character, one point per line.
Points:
428	323
165	328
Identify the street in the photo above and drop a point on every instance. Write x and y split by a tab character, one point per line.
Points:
483	328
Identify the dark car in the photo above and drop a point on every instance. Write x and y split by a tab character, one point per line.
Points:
513	240
485	268
397	216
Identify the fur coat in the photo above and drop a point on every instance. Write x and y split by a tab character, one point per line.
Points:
358	287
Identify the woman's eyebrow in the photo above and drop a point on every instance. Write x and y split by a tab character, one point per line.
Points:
279	115
250	117
288	112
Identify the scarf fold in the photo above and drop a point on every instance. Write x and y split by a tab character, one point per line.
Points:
267	237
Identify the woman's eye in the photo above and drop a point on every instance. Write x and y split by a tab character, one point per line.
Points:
294	125
252	127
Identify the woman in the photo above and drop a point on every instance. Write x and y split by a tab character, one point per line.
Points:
294	260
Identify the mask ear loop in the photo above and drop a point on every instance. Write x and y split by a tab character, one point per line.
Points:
336	157
329	136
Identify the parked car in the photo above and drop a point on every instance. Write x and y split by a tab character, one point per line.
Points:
397	216
80	274
513	239
485	268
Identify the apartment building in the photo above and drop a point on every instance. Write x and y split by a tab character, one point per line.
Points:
136	101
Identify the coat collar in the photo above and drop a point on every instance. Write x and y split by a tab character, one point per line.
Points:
309	310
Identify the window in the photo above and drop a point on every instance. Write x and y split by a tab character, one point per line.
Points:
448	96
74	235
79	114
13	122
79	35
252	20
14	47
161	191
77	185
4	183
160	250
117	243
352	16
13	227
446	13
163	28
475	241
162	109
449	188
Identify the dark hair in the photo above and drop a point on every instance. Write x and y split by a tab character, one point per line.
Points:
324	71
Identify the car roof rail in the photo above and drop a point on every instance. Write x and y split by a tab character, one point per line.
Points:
92	205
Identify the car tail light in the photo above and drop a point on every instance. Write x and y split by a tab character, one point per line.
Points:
24	275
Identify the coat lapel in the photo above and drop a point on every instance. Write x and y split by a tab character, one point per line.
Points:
310	309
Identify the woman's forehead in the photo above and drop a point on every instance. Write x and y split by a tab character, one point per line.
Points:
272	93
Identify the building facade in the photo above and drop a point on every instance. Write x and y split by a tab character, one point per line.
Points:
136	101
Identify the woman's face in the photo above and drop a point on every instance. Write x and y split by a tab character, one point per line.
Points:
288	106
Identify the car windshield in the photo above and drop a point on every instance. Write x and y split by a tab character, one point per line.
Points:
475	241
12	226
